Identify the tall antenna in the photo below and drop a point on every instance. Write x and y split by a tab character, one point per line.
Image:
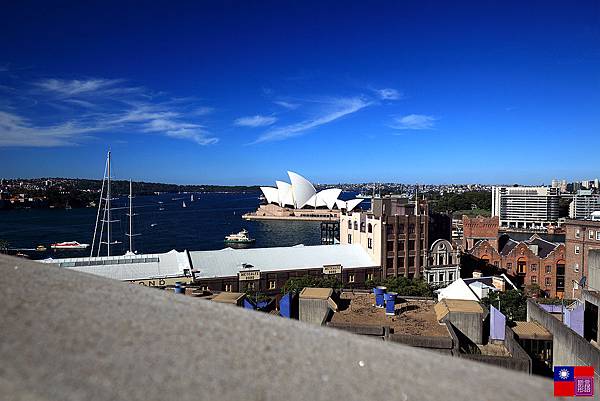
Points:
130	234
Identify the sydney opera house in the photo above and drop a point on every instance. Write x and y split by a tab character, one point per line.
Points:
299	200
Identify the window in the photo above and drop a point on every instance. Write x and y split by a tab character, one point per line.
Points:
370	243
369	276
521	266
577	233
251	286
431	278
451	276
349	225
591	234
351	278
548	282
204	288
228	287
272	284
496	263
370	228
533	267
356	225
411	228
533	279
577	250
548	269
576	267
441	277
509	265
349	238
362	226
597	235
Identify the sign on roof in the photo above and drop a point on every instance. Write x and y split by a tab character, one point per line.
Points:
249	275
332	269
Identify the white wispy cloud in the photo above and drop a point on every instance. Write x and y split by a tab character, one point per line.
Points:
334	110
110	106
17	131
77	87
204	111
388	94
414	122
255	121
287	105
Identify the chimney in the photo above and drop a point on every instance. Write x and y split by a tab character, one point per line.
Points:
476	274
499	283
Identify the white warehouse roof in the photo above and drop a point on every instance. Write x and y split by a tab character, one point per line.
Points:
130	266
228	262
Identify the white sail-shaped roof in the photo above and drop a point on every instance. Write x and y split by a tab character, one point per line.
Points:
351	204
272	194
286	196
328	197
302	189
340	204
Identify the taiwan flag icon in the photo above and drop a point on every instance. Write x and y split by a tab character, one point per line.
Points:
573	381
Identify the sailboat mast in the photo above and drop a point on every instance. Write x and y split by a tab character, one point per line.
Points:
130	217
108	217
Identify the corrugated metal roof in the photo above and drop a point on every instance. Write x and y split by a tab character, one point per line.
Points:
228	262
170	264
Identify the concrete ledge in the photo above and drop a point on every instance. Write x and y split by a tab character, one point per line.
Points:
360	329
423	341
70	336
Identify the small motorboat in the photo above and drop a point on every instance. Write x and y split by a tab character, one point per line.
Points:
239	238
69	245
153	225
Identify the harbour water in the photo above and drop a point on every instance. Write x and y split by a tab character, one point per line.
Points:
201	225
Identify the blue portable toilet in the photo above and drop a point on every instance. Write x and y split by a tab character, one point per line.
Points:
179	288
249	304
379	291
390	303
285	305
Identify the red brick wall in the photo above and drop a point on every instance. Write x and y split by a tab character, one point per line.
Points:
577	263
476	228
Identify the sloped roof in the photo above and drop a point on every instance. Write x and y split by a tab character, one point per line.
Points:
544	246
446	306
228	262
129	267
509	246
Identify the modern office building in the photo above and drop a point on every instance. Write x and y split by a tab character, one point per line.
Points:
584	203
526	207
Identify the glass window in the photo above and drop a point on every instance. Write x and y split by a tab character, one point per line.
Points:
548	269
533	267
548	282
370	243
533	279
451	276
228	287
577	233
598	235
349	238
591	234
350	278
349	225
370	227
272	284
576	267
576	250
356	225
369	276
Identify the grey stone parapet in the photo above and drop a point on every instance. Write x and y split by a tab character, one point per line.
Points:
71	336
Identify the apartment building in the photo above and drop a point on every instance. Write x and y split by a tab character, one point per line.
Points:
584	203
526	207
581	237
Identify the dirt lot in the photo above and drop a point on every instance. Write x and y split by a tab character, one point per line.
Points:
412	317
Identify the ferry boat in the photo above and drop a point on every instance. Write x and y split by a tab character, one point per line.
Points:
69	245
239	238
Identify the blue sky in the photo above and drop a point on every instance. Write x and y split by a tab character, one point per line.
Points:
239	93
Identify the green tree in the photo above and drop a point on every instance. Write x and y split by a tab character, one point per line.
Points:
296	284
512	303
4	244
404	286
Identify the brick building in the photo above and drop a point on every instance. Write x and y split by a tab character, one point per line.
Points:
581	237
480	228
396	234
535	261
